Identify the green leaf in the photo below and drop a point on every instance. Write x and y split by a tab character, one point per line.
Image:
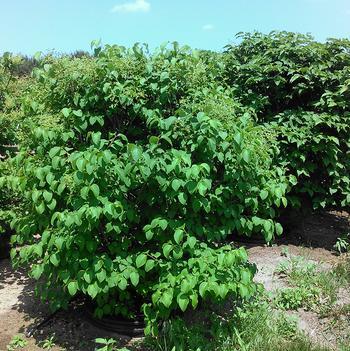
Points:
202	188
72	288
178	236
134	278
78	113
183	302
84	192
238	138
264	194
243	290
96	138
51	206
167	298
191	241
80	164
149	265
194	300
50	178
122	284
149	234
59	241
37	271
182	198
95	189
60	188
66	112
163	223
141	260
41	208
134	152
175	184
88	277
35	195
54	259
153	140
246	155
279	228
56	162
167	122
166	249
54	151
93	290
38	249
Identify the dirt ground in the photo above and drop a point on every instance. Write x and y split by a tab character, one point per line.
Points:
312	236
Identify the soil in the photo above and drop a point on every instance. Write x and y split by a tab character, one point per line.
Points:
313	237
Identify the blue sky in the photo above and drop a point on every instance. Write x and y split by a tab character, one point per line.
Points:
28	26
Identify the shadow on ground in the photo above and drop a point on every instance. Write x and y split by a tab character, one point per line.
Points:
22	312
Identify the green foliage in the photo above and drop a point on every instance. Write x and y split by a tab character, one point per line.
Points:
17	342
134	167
283	71
106	344
310	288
315	148
131	192
252	327
12	89
342	270
301	87
342	244
48	343
294	298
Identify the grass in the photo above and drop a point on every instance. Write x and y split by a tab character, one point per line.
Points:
342	270
262	325
254	326
310	287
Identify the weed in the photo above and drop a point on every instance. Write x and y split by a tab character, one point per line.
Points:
342	271
285	251
17	342
310	287
287	326
48	344
255	326
108	345
342	244
294	298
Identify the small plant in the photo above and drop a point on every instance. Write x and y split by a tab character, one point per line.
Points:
294	298
285	252
107	345
49	343
342	244
17	342
287	325
296	267
342	271
310	286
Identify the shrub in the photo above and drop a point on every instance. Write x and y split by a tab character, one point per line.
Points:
11	118
130	193
315	149
302	86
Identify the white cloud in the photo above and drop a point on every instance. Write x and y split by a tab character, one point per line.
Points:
208	27
136	6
